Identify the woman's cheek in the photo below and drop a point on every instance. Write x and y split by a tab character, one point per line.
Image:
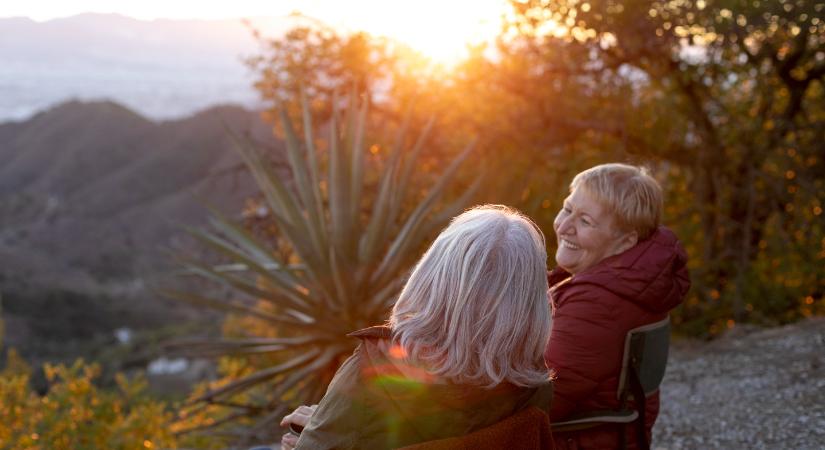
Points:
557	222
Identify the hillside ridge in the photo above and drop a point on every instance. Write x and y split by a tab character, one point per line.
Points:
92	193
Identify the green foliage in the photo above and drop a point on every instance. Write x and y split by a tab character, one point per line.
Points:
353	223
75	414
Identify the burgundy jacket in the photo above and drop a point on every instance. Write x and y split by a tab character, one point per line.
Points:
592	312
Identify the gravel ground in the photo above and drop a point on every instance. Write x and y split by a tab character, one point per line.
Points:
751	389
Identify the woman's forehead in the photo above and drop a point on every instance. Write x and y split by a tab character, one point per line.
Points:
585	202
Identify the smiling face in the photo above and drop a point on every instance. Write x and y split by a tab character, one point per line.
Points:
586	233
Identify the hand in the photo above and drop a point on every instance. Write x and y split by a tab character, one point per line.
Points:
301	417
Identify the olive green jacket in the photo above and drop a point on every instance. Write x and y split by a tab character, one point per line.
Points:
373	402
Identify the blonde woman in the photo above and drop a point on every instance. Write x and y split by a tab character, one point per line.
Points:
618	269
462	349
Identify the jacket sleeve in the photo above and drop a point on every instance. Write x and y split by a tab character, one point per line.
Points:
340	414
585	347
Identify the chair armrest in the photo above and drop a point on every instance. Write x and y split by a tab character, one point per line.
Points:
593	419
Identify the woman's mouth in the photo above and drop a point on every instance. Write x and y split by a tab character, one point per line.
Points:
567	244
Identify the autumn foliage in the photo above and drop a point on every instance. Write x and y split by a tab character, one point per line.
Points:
75	413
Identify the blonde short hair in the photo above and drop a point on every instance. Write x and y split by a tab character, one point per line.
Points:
628	192
475	308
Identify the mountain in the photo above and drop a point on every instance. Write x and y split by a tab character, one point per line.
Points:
93	196
161	68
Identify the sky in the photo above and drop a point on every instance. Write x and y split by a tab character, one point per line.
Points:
440	29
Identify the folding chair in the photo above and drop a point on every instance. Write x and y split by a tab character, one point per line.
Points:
643	368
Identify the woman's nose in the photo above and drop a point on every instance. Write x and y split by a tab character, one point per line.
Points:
565	225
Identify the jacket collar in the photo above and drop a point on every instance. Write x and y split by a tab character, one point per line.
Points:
652	274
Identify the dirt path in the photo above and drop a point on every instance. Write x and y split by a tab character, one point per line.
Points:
752	389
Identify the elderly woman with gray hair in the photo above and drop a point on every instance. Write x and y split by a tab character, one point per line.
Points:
462	349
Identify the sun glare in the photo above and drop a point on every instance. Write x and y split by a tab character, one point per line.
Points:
440	30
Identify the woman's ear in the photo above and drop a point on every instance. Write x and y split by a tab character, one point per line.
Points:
627	241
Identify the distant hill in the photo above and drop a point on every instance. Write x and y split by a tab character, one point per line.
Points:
92	196
161	68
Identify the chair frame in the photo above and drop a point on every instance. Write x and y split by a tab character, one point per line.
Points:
640	377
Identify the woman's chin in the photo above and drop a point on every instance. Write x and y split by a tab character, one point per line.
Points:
564	259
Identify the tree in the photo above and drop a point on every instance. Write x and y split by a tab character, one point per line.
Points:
317	60
725	96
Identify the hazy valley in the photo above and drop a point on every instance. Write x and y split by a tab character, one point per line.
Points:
93	198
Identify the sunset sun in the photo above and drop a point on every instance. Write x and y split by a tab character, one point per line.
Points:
439	30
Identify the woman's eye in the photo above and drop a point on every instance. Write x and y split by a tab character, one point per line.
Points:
566	210
586	222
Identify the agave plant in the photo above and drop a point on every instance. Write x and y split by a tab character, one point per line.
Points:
355	248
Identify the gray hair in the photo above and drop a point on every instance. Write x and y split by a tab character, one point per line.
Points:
475	308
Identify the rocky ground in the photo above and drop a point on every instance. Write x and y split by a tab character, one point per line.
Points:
751	389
